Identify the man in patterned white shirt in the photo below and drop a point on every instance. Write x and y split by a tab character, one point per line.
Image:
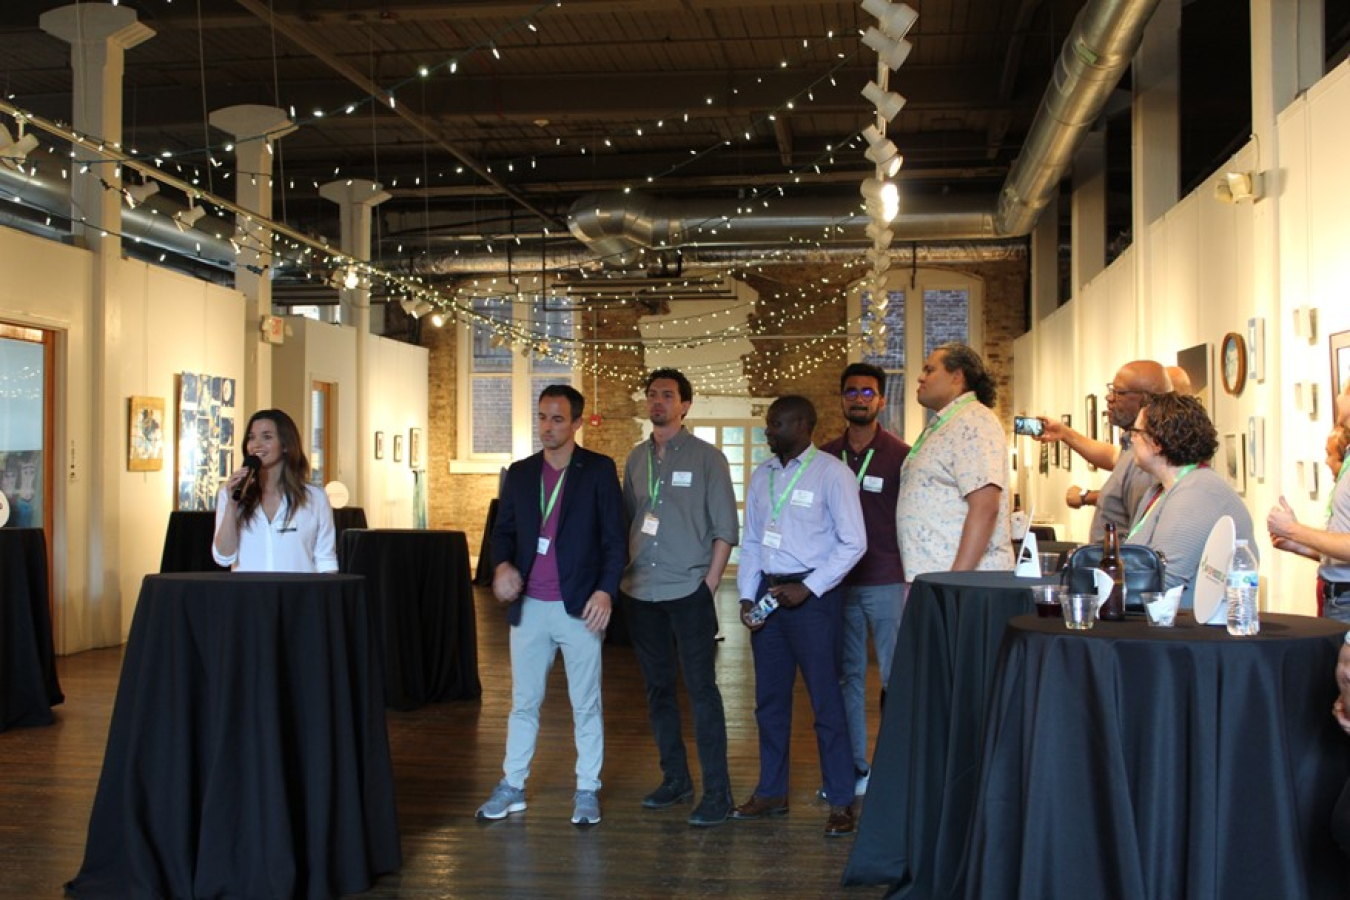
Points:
952	514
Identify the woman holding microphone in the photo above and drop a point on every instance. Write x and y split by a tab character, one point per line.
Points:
268	517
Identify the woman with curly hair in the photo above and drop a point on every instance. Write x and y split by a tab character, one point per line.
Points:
1330	546
271	519
1174	441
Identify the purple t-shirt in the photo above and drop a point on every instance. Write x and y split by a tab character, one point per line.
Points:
543	583
879	490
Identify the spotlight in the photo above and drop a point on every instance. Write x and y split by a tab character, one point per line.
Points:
352	279
892	53
896	19
12	152
1234	186
186	218
138	193
888	103
880	234
882	198
438	319
881	152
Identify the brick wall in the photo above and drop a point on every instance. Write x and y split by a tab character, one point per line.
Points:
461	501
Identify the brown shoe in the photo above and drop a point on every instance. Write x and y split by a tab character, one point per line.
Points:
758	807
841	821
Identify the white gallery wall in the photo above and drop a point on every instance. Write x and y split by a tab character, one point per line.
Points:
1202	283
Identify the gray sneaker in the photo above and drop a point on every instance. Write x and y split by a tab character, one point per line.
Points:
586	808
505	800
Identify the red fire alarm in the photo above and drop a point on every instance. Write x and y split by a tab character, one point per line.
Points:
595	420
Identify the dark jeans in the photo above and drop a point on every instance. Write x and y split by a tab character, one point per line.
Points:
684	631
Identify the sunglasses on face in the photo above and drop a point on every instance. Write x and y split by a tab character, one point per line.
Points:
855	393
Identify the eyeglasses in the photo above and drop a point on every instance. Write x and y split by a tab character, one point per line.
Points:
1113	391
855	393
1133	431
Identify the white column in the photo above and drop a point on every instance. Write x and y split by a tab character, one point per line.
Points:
254	128
1155	155
99	36
355	199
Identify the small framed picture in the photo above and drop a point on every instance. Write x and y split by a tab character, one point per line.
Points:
1340	363
1090	420
379	445
1235	463
145	450
415	448
398	448
1233	363
1066	456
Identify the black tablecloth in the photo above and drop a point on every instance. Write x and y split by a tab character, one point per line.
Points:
187	542
247	755
483	574
348	517
926	765
28	685
1134	762
422	598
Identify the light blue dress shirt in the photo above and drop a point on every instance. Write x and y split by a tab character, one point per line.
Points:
821	523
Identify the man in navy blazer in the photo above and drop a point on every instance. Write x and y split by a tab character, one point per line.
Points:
559	547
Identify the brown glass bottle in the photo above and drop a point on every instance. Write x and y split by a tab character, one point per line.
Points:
1113	610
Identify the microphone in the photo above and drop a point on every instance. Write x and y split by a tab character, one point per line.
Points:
253	464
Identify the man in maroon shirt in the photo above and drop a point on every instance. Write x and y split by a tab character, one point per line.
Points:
874	592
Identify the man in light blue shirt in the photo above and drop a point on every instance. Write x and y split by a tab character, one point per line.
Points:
803	533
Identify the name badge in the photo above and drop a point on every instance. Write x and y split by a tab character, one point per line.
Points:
542	547
803	498
681	479
872	483
773	538
650	523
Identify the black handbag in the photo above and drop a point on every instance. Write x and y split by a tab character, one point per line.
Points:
1145	569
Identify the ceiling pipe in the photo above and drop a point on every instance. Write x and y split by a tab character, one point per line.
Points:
620	228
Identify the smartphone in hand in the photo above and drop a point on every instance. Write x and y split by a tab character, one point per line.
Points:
1028	425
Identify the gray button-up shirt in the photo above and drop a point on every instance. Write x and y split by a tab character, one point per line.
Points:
694	506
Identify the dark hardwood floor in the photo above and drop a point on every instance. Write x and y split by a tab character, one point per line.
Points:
447	758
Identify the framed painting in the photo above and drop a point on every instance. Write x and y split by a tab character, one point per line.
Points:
145	445
398	448
415	448
379	445
1090	421
1066	455
1340	363
1234	461
1233	363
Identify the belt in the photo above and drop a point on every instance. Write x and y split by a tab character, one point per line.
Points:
790	578
1334	589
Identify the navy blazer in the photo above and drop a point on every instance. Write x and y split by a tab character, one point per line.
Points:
592	544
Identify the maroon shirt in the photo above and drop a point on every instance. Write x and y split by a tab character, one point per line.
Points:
881	563
544	583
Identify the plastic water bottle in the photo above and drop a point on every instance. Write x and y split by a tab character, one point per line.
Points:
1241	592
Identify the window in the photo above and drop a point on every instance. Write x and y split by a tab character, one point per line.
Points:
25	427
322	395
950	311
501	380
742	443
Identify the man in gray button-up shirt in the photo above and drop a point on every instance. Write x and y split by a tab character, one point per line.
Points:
681	528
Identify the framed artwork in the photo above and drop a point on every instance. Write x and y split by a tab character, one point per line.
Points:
1066	456
1340	363
379	445
1108	432
415	448
145	447
1090	420
1256	349
1234	461
398	448
204	442
1195	360
1233	363
1054	454
1256	447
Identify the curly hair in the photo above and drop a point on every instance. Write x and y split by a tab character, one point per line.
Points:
957	355
1181	428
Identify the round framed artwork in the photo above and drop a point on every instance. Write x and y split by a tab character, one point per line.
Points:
1233	362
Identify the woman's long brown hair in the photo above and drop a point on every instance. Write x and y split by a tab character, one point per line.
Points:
294	466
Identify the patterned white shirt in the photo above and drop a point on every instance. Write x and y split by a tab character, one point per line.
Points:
963	454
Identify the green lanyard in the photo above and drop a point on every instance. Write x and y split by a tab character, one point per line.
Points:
867	461
778	504
546	511
1157	495
1345	464
938	423
653	477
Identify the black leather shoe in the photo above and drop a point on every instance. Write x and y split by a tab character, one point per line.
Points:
669	793
712	810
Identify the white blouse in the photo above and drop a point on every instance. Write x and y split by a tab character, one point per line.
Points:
304	544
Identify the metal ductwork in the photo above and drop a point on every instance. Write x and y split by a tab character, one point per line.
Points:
141	224
623	228
1100	47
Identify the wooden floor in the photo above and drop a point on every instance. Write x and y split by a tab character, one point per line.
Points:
447	758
